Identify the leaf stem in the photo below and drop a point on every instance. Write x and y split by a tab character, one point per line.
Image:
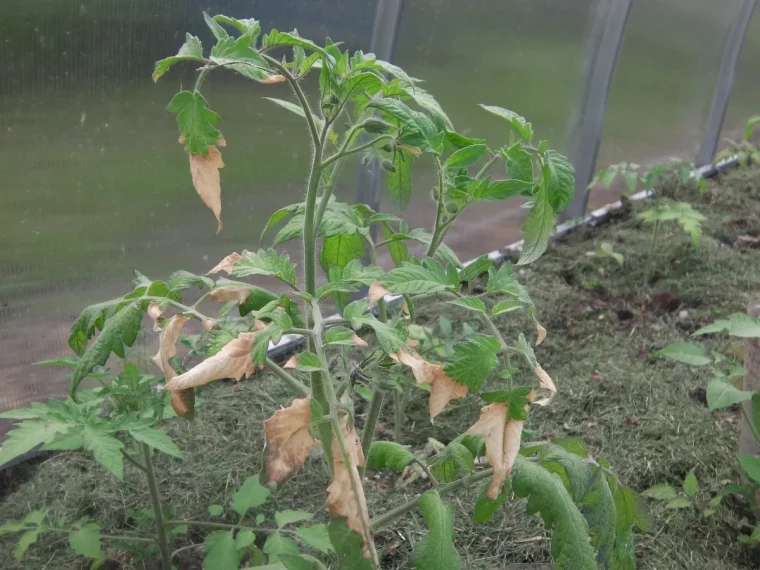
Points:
650	260
433	481
287	377
106	536
486	167
393	514
342	153
299	95
439	212
134	461
158	512
375	407
748	419
225	526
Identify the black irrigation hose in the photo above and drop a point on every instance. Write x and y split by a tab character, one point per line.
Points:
290	344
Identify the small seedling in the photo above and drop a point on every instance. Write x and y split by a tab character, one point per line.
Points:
607	250
637	177
745	150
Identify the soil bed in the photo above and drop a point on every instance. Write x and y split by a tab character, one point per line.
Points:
645	415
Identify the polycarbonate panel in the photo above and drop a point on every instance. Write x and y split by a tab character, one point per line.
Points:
525	55
745	99
94	181
664	79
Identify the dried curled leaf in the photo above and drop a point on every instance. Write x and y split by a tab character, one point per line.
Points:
345	495
182	401
271	79
289	440
233	361
545	383
228	293
154	312
502	437
376	292
226	264
358	340
204	170
292	362
443	388
540	334
208	324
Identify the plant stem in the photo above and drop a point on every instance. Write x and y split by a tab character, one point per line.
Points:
289	378
486	167
375	406
299	95
650	260
158	513
393	514
201	77
343	153
439	212
134	461
433	481
225	526
106	536
398	415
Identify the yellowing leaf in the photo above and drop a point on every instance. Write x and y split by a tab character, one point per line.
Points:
228	293
205	173
540	334
376	292
545	383
233	361
182	401
345	495
502	440
289	440
154	312
443	388
226	264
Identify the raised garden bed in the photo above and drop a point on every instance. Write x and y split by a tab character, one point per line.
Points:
647	416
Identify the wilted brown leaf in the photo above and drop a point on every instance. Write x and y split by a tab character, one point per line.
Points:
443	388
358	340
271	79
540	334
502	440
237	293
345	495
233	361
208	324
292	362
226	264
289	440
183	401
376	292
546	384
154	312
205	173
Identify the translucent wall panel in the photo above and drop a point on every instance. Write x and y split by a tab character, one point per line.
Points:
524	55
664	79
745	99
94	183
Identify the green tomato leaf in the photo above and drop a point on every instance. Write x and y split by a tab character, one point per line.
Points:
485	508
466	156
470	303
738	324
86	541
221	552
29	434
341	249
519	163
686	352
191	50
570	546
660	492
215	510
410	278
275	38
561	180
475	269
266	262
308	362
388	454
287	516
119	330
678	503
347	546
690	484
538	227
598	506
454	458
244	538
473	360
105	448
245	25
436	551
316	536
499	190
24	542
751	466
197	123
391	339
399	181
518	123
250	495
238	55
157	439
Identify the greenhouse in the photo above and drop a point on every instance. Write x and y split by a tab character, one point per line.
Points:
364	285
